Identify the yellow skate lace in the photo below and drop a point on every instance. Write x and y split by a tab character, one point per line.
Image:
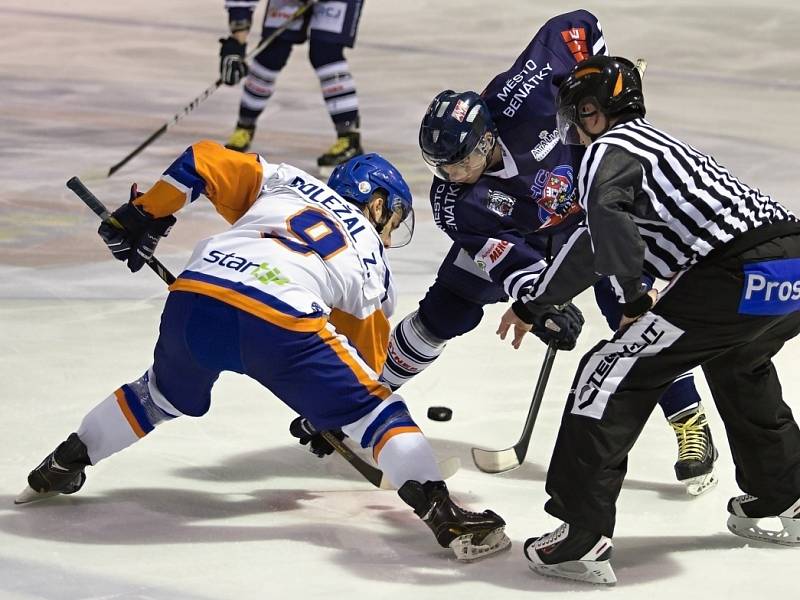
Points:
692	438
240	137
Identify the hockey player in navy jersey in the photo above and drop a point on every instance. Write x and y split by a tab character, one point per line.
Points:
296	295
329	27
504	191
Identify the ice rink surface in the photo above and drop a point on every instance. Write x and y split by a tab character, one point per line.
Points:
228	506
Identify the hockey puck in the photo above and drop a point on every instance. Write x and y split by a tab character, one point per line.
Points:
439	413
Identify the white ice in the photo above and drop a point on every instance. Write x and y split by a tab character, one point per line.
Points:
227	506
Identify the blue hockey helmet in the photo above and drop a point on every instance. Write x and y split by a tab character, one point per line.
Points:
454	126
360	177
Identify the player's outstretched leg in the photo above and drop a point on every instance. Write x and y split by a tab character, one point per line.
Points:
61	472
696	451
572	553
746	511
469	534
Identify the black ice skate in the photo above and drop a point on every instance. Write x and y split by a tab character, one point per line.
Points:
60	473
346	147
746	511
470	535
572	553
241	138
696	451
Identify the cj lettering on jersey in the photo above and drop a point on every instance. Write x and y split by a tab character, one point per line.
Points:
771	287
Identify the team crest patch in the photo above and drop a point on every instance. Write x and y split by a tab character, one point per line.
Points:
554	192
500	203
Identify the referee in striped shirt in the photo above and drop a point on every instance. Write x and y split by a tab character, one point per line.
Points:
657	206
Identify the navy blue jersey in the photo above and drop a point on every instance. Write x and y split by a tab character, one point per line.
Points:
501	219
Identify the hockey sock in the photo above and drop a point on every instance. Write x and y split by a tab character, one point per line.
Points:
397	444
680	396
412	348
123	418
260	82
339	93
406	455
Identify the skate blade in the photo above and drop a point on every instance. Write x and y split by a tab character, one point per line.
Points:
696	486
585	571
31	495
466	551
747	527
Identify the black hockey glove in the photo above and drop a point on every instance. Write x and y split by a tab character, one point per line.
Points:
232	68
304	431
138	234
559	324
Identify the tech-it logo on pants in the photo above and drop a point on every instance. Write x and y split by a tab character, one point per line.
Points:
610	362
771	287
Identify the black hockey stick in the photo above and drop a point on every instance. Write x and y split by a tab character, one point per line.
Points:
76	185
207	92
374	475
500	461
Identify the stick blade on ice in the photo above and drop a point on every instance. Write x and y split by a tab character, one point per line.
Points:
495	461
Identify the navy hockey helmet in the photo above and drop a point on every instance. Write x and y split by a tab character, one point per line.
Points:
613	83
357	180
454	126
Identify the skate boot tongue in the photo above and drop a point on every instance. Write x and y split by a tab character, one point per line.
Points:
696	451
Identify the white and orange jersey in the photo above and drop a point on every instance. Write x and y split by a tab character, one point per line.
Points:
297	254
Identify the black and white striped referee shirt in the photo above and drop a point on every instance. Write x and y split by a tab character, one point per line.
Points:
655	204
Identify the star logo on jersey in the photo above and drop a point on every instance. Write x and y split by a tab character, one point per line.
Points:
554	192
500	203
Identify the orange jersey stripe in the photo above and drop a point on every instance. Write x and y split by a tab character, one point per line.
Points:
247	304
374	387
376	450
370	336
126	411
232	183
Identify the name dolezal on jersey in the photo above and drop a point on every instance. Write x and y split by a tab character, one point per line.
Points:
332	202
530	77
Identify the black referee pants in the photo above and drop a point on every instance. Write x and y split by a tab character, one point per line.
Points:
618	383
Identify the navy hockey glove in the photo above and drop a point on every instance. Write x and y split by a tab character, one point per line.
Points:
132	235
559	324
304	431
232	68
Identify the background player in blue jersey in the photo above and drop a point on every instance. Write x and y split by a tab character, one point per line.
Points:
329	27
504	191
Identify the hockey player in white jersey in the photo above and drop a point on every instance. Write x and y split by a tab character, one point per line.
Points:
297	295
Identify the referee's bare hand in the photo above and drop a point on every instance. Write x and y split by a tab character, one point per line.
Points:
508	320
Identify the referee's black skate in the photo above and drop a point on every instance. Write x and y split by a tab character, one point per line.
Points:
60	473
696	451
469	534
572	553
744	513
